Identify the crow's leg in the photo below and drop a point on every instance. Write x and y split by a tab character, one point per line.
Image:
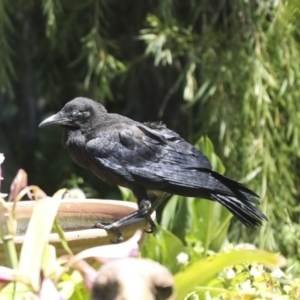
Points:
145	210
144	207
154	206
138	213
141	194
158	202
150	221
146	215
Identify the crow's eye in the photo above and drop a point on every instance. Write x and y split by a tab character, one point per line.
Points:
76	114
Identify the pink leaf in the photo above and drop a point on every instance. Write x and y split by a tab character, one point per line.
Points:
10	275
87	272
18	184
7	274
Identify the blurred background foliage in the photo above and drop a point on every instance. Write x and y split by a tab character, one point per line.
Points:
228	69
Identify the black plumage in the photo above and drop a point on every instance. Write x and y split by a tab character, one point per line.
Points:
147	158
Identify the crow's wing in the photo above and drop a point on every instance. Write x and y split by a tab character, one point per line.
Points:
154	158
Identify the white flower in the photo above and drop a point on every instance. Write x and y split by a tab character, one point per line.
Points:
247	288
254	272
277	273
207	296
230	274
182	258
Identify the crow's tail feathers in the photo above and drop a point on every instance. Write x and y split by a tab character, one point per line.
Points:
243	210
239	204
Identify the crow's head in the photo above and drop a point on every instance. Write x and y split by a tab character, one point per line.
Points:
77	114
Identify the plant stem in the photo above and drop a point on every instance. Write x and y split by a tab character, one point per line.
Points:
10	251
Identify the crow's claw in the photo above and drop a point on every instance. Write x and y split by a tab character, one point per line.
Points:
108	226
118	235
152	224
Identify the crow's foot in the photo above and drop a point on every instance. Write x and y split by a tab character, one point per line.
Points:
107	226
145	206
152	224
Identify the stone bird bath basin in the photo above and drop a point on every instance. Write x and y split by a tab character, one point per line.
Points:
77	218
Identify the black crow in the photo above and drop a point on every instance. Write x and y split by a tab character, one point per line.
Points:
147	158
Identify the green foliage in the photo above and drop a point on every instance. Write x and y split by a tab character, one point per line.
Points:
201	275
203	271
36	254
164	248
243	83
257	282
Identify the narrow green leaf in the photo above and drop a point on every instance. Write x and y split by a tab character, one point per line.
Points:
183	218
49	263
168	213
164	247
170	246
7	232
36	238
201	90
58	229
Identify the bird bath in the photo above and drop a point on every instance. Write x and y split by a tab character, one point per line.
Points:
77	218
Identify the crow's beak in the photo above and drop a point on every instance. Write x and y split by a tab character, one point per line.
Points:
57	119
